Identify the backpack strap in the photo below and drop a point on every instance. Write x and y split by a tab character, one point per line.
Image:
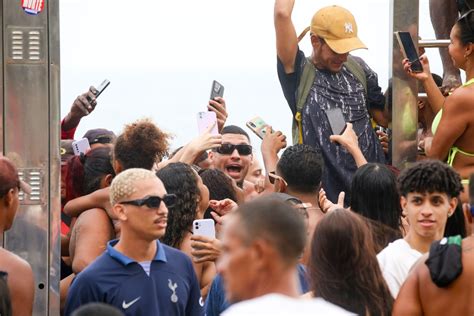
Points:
306	82
304	87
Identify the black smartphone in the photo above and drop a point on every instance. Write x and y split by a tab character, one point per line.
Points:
336	120
217	90
102	87
409	50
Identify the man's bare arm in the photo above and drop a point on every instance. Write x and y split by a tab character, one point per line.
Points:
408	300
286	39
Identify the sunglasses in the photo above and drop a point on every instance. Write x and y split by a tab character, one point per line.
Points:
272	177
152	201
228	149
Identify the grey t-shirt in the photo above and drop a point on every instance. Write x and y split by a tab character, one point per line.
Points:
336	90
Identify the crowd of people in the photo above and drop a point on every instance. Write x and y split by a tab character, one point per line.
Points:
325	226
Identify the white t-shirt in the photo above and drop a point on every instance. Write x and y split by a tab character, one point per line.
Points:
281	305
395	261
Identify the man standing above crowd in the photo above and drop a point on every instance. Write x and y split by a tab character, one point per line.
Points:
18	271
136	273
442	283
429	191
339	81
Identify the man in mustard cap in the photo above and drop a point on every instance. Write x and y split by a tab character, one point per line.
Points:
328	82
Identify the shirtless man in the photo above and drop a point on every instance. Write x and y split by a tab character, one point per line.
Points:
20	275
421	296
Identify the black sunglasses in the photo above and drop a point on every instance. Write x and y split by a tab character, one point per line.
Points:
152	201
228	149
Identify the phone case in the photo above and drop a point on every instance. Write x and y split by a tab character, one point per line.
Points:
217	90
205	120
102	87
409	51
336	120
204	227
80	146
258	126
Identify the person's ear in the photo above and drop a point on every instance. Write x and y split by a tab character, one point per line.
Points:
453	202
315	41
9	197
119	211
403	204
261	251
117	166
108	179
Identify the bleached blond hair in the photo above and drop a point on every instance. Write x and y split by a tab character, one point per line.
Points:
124	184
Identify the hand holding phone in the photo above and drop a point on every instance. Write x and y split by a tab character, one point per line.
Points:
204	227
258	126
205	120
217	90
81	146
409	51
336	121
99	89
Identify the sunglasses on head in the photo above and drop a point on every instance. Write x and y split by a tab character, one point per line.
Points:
272	177
228	149
153	201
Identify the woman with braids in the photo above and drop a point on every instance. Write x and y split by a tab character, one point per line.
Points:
343	268
192	201
453	126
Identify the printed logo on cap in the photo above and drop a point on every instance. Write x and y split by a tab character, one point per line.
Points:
33	7
348	27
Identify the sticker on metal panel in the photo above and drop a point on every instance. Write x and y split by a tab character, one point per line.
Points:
33	7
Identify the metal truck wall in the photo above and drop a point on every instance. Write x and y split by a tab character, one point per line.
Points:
29	100
404	15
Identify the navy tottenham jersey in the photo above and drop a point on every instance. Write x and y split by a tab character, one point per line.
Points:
171	288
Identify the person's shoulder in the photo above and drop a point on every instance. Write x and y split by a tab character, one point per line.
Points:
278	304
103	263
176	257
12	263
460	99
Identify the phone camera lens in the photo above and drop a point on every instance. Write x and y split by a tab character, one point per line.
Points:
252	124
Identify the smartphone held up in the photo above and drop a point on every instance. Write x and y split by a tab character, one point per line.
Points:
409	51
205	120
258	126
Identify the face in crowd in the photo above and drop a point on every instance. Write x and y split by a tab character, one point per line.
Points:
427	212
234	157
326	58
144	213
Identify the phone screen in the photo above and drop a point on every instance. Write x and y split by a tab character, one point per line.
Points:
406	43
217	90
336	120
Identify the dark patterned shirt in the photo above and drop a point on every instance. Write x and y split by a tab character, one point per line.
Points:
336	90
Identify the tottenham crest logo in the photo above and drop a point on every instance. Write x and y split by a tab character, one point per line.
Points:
348	27
174	297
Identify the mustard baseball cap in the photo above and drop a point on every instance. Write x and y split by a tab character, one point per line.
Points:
337	26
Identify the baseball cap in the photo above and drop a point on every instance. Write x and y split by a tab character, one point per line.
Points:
66	149
99	135
337	26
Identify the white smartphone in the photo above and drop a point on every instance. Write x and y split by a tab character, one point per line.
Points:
204	227
258	126
205	120
80	146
